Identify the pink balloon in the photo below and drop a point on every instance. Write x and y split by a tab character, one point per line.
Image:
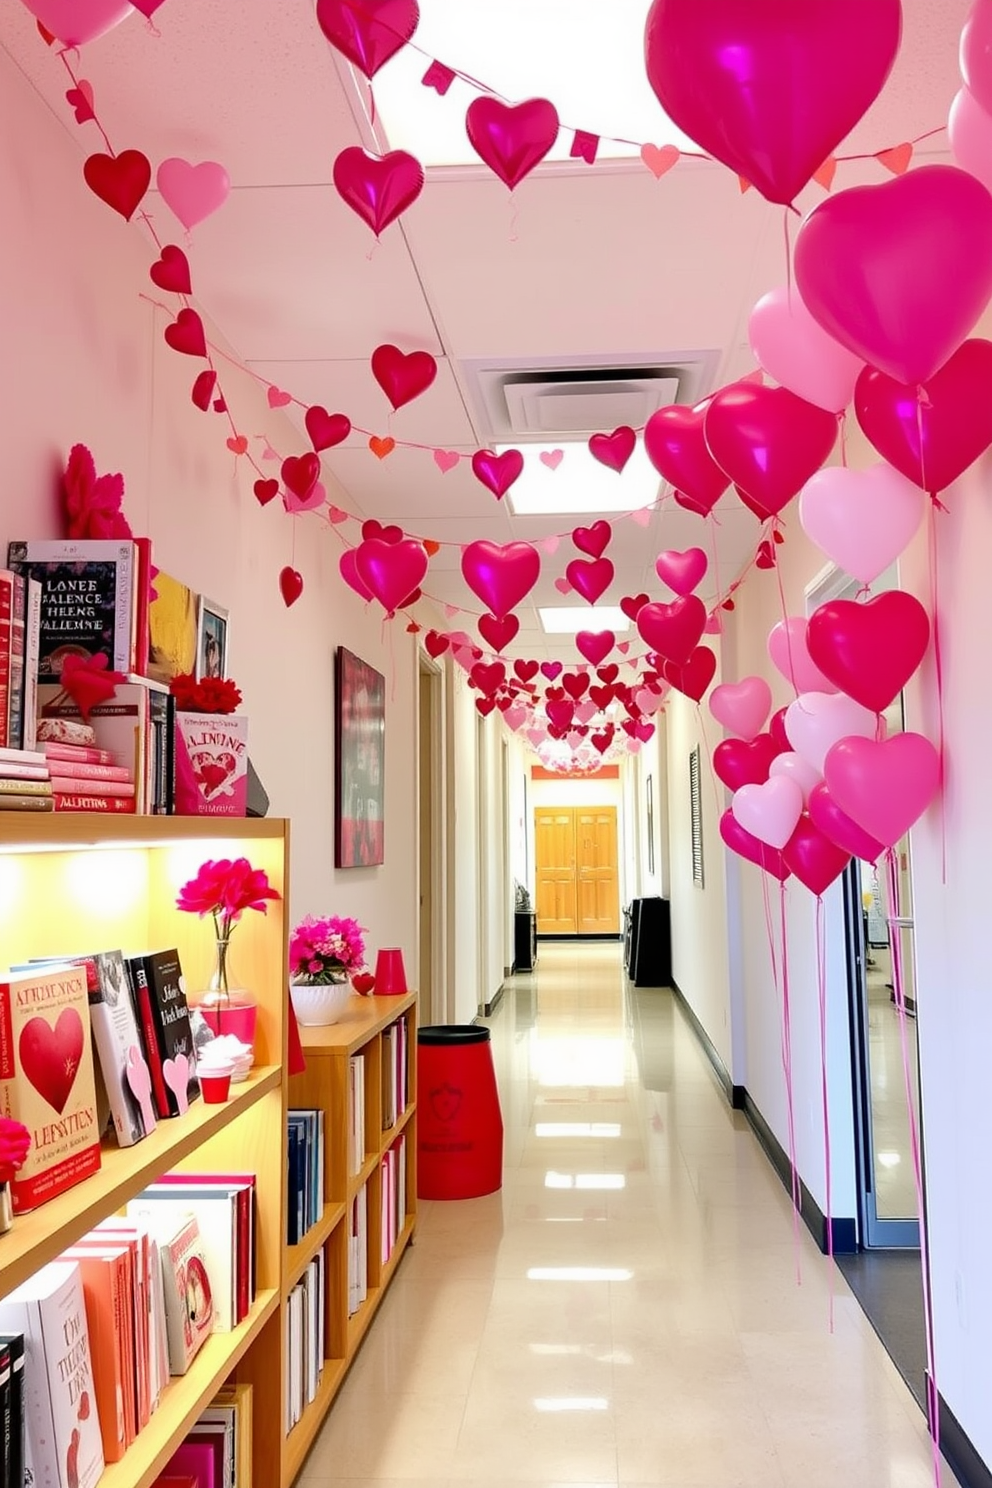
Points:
595	645
402	375
674	630
770	811
738	762
75	22
682	571
676	446
193	192
816	720
370	33
969	129
748	846
813	858
884	787
768	441
791	347
742	707
391	570
351	576
511	138
501	574
768	87
788	650
900	273
975	53
378	189
590	577
515	716
955	419
497	472
862	519
776	727
614	450
839	827
798	769
870	650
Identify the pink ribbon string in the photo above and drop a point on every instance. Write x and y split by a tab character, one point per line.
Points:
789	1090
933	560
821	987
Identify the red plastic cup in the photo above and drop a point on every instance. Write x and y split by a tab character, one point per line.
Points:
215	1086
390	977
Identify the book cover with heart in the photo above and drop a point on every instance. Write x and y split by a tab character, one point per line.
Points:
46	1079
211	764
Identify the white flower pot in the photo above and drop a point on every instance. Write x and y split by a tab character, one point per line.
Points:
318	1003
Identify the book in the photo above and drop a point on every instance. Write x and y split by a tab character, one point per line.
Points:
219	1436
216	1212
211	764
148	1347
93	802
83	754
10	785
21	757
189	1310
163	1017
32	653
14	770
235	1401
15	680
14	1344
88	599
6	1414
64	1446
107	1296
197	1460
12	802
118	1046
68	769
243	1186
6	606
46	1079
122	727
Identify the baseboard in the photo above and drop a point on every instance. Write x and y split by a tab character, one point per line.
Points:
488	1008
960	1451
706	1043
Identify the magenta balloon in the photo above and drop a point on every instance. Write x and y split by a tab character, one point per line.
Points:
770	87
740	841
75	22
370	33
351	576
883	787
900	273
969	129
871	650
975	53
391	570
682	571
590	577
955	418
511	138
768	441
738	762
676	446
501	574
839	827
813	858
673	630
797	352
377	189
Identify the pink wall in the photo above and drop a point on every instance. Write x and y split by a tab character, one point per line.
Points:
83	359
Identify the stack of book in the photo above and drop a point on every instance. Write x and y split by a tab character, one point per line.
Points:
305	1203
81	772
217	1450
305	1336
20	641
394	1072
392	1189
24	780
122	760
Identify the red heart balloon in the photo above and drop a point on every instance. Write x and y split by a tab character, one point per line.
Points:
693	676
488	676
675	442
526	670
436	644
378	188
632	604
595	645
614	449
485	705
776	727
391	570
673	630
351	576
326	429
119	180
768	441
390	534
498	631
740	841
593	540
871	650
171	270
186	334
402	376
561	711
497	472
602	741
608	673
266	491
511	138
370	33
813	858
290	585
591	578
738	762
501	574
954	417
300	474
575	684
203	388
602	696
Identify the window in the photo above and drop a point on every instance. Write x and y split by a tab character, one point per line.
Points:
696	817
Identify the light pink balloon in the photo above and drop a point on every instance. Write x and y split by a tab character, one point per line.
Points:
75	22
791	347
742	707
586	711
862	519
976	52
794	767
515	715
969	129
682	571
816	720
192	191
770	811
883	786
790	654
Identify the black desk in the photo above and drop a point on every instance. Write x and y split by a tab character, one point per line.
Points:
648	942
524	940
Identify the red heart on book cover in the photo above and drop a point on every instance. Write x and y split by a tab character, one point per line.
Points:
50	1057
72	1460
212	770
83	1413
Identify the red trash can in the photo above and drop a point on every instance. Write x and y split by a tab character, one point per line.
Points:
459	1123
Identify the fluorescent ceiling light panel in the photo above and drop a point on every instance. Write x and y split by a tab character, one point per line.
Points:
580	485
586	57
569	619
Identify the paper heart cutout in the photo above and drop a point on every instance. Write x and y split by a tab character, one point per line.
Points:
382	447
186	334
608	673
176	1074
551	458
50	1056
170	271
290	585
203	388
238	444
388	534
660	159
326	429
192	192
265	491
80	100
445	460
336	516
119	180
277	398
563	586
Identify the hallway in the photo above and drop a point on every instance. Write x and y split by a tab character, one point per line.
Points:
625	1311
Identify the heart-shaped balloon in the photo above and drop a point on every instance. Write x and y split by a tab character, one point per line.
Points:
954	419
682	571
377	188
747	846
632	604
870	650
675	442
370	33
354	580
674	630
203	390
290	585
969	130
742	707
595	645
300	474
511	138
776	727
193	192
575	684
789	652
326	429
769	811
900	273
813	858
816	720
738	762
391	570
768	441
75	22
265	491
560	712
798	769
488	676
691	677
593	540
119	180
171	271
402	376
497	472
862	519
525	670
718	71
839	827
884	786
502	575
186	334
498	632
590	577
551	669
796	351
613	450
975	55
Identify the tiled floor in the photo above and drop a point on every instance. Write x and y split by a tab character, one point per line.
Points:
626	1310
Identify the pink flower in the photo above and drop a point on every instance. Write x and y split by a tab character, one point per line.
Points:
318	948
225	889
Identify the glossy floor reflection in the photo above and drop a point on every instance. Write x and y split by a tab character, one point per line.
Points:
625	1311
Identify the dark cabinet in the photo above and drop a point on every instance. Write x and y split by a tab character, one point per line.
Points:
524	940
648	942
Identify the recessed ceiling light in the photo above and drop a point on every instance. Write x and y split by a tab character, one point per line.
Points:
569	619
580	484
592	69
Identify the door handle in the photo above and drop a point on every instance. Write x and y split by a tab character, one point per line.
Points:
901	922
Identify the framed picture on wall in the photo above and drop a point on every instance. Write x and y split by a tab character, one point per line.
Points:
359	762
172	629
649	794
211	639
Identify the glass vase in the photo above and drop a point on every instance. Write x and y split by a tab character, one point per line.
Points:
226	1007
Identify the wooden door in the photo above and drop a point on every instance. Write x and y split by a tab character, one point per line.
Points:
554	863
597	879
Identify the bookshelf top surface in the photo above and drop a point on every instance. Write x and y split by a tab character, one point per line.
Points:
365	1017
27	831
